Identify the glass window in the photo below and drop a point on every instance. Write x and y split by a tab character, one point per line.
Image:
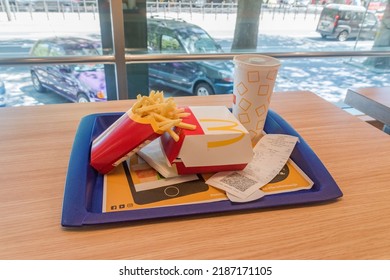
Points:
170	45
51	84
56	51
163	28
153	42
41	49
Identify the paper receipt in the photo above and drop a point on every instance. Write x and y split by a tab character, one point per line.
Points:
270	155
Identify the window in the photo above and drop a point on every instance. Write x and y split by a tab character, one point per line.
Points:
303	36
57	51
41	50
170	45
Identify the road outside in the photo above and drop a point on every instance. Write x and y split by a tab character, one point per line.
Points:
279	32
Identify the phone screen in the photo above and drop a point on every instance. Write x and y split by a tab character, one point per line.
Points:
165	192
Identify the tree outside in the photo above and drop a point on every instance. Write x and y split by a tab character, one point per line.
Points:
247	25
247	30
382	41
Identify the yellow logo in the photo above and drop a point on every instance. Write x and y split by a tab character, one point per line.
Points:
229	127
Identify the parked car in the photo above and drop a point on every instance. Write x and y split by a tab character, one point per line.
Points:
82	83
2	94
194	3
78	83
345	21
194	77
301	3
287	2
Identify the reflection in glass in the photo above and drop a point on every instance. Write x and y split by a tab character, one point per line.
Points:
64	46
52	84
178	27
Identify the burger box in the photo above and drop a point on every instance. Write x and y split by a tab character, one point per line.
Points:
219	142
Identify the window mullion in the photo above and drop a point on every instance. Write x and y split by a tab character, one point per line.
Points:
118	35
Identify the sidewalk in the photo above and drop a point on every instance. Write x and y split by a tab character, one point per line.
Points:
41	26
219	26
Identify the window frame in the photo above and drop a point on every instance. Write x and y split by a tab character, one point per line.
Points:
119	59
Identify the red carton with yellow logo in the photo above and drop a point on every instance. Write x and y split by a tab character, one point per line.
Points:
219	142
146	120
122	139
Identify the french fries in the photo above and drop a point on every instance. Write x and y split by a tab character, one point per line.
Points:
163	111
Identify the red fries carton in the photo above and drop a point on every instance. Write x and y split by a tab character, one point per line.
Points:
219	142
118	142
149	117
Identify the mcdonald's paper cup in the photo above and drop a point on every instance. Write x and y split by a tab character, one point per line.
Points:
254	80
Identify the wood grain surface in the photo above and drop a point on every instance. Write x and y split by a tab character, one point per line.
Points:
35	145
372	101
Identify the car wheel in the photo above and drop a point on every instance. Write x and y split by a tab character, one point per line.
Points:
82	98
323	36
343	35
203	89
37	83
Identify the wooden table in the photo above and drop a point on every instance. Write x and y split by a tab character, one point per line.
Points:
35	147
372	101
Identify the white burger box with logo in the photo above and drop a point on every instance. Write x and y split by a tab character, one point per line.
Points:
219	142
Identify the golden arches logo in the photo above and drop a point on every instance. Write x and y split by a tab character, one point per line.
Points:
231	126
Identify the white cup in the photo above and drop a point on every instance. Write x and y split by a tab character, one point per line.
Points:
254	80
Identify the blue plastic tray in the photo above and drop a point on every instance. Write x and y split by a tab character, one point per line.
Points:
82	204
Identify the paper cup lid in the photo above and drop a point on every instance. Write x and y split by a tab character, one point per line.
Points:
250	60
